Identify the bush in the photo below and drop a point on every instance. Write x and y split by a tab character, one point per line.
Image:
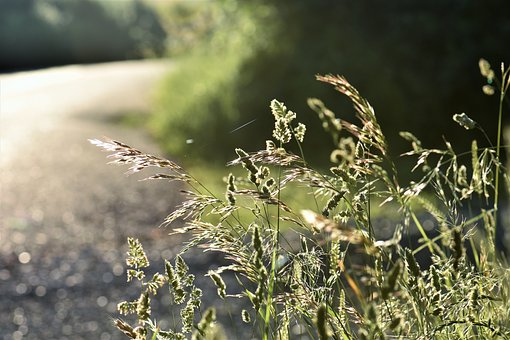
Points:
323	268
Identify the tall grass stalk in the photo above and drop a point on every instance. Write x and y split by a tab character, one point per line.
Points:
503	87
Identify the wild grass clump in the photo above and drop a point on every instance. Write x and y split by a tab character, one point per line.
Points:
322	267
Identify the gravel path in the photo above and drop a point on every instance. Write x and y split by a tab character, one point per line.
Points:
66	214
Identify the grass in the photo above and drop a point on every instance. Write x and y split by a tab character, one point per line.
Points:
315	261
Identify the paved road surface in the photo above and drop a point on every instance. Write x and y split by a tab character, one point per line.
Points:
65	213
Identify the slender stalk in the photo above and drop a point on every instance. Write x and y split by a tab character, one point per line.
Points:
502	93
498	149
269	299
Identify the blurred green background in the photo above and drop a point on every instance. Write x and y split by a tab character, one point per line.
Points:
415	61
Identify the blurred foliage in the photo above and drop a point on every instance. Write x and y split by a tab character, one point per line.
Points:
415	61
199	102
187	23
51	32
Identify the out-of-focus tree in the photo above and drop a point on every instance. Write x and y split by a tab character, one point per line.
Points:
187	23
26	36
49	32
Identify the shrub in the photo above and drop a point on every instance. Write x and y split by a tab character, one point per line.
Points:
323	267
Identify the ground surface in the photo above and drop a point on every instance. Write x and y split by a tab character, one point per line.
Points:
65	214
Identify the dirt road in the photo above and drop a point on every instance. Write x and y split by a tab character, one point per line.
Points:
65	214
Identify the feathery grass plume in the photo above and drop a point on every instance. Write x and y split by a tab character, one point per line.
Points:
329	121
279	110
137	260
187	316
192	208
270	146
370	133
125	328
155	283
342	316
176	290
335	256
257	244
476	179
333	202
143	308
282	131
474	298
312	178
299	132
249	165
245	159
226	240
338	232
489	224
219	283
278	156
181	268
264	196
262	274
188	311
124	154
488	162
126	307
231	188
258	297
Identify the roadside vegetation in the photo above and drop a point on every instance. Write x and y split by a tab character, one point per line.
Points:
320	269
